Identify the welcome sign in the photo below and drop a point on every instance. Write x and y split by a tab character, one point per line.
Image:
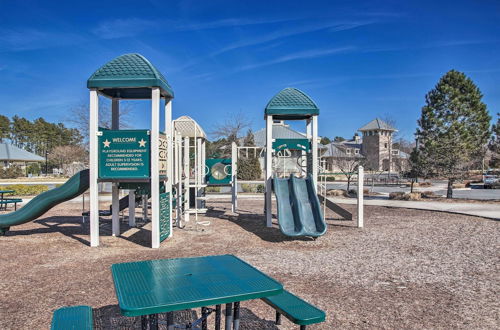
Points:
124	154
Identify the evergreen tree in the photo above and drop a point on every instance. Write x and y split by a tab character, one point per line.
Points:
495	144
4	128
249	167
453	129
324	141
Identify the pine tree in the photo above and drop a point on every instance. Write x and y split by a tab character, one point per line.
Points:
453	129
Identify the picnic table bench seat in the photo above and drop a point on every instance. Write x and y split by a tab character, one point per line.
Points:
73	318
6	201
295	309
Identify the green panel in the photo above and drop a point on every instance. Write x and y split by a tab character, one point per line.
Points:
292	144
158	286
217	168
164	216
124	154
129	76
291	103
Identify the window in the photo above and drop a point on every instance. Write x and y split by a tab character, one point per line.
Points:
356	151
348	151
385	145
395	152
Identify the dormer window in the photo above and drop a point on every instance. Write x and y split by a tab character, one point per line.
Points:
356	151
348	151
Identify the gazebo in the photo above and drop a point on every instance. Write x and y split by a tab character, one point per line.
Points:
127	77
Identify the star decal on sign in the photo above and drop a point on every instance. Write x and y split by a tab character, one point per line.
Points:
106	143
142	143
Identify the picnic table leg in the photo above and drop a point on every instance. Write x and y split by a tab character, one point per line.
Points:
229	316
170	321
236	321
204	325
153	322
217	317
303	327
278	318
144	322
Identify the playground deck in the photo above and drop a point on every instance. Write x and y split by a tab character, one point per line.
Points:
405	269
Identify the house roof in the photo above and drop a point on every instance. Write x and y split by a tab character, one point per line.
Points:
187	126
291	103
338	150
129	76
279	132
377	124
9	152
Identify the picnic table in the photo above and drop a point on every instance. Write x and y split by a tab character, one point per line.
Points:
2	192
147	288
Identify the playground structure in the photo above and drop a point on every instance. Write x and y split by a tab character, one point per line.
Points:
170	169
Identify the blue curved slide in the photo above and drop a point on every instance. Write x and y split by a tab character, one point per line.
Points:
299	210
75	186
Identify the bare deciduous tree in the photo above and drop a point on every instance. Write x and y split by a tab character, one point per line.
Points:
231	128
79	117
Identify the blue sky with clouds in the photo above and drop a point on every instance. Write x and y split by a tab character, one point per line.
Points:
357	59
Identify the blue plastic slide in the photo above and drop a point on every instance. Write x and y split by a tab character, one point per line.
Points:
299	211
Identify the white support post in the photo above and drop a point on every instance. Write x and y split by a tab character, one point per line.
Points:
234	177
178	172
308	137
115	210
269	170
94	168
203	161
131	208
155	168
361	177
168	131
199	173
314	147
186	179
115	198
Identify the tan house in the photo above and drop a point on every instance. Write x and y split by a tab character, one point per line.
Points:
374	149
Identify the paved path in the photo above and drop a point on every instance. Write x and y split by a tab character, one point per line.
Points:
484	210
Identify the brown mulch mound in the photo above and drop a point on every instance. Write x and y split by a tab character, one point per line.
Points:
405	269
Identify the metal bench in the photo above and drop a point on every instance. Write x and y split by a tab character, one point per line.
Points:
295	309
73	317
6	201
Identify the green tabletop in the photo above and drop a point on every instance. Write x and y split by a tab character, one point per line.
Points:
159	286
7	191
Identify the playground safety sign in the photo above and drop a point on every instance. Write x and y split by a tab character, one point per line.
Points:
124	154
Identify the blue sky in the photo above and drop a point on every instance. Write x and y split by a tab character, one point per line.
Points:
357	59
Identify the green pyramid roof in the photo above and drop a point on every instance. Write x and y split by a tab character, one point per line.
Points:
291	103
129	76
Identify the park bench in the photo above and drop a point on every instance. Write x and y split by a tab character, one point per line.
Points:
73	317
7	201
295	309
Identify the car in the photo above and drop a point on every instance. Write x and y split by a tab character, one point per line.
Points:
491	179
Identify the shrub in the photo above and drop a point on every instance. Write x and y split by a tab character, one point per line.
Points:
458	185
212	189
414	196
249	169
428	194
12	172
336	192
261	188
34	169
247	187
26	189
397	195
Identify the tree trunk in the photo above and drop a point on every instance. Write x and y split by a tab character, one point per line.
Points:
348	184
449	191
411	185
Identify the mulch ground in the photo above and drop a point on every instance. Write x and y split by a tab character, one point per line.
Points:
405	269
